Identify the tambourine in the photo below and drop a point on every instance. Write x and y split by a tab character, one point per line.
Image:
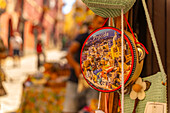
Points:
101	59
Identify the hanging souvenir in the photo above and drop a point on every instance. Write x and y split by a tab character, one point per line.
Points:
154	98
103	68
101	59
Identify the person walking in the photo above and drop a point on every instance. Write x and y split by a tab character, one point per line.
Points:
16	45
73	57
39	53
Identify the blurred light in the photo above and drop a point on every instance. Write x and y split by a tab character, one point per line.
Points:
52	3
2	4
1	108
68	6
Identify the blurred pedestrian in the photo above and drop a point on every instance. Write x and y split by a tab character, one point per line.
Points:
16	45
73	57
40	53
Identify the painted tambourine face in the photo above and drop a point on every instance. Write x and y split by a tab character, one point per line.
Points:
101	59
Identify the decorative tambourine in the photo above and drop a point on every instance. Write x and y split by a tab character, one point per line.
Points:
101	59
109	8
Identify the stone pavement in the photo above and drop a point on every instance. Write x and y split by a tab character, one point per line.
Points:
16	76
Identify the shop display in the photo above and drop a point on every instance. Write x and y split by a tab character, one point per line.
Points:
53	75
157	93
45	91
42	100
102	66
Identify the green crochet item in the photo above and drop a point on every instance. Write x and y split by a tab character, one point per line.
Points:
156	93
109	8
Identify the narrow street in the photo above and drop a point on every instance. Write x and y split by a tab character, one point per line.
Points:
16	76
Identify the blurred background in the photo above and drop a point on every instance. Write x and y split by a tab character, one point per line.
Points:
34	39
49	20
23	85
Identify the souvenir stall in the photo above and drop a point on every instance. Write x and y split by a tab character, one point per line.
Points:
45	92
112	60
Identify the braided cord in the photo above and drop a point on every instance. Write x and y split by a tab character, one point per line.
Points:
154	39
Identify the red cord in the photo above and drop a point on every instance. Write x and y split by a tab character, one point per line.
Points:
131	32
105	22
130	28
119	103
143	47
134	36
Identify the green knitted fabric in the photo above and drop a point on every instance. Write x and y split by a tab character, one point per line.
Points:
109	8
156	93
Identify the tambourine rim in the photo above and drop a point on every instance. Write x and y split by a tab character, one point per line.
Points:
131	49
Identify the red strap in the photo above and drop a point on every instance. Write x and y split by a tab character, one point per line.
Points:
119	103
130	28
143	47
134	36
131	32
105	22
